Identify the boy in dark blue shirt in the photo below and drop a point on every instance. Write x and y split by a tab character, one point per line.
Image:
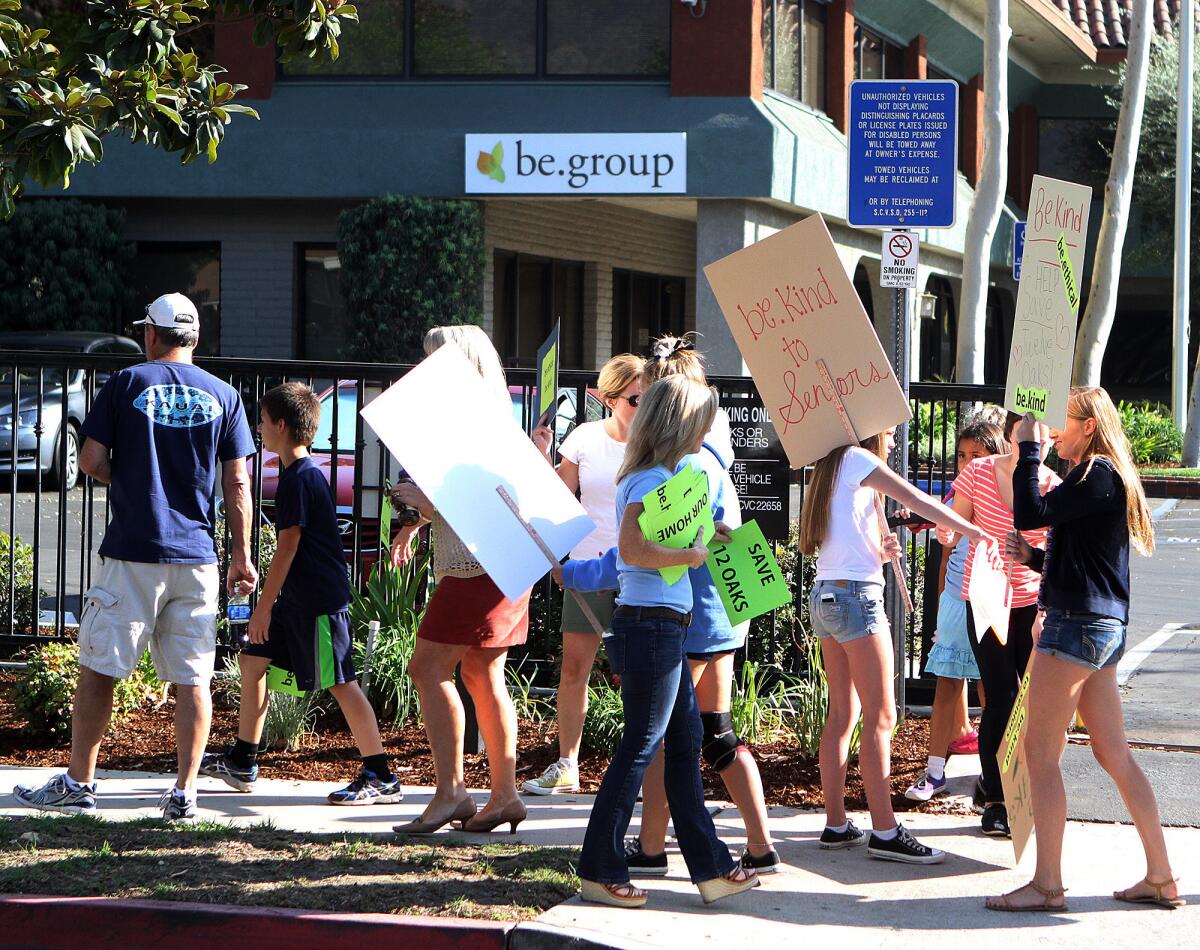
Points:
302	621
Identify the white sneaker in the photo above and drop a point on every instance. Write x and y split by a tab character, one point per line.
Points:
558	779
926	788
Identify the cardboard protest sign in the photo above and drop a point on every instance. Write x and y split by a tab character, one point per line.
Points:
458	441
675	512
547	373
788	303
989	592
1043	342
1014	775
747	575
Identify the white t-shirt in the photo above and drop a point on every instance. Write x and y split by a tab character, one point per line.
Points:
599	457
852	549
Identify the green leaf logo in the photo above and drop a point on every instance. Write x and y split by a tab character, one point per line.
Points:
491	165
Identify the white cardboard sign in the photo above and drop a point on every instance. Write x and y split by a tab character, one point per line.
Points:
988	592
459	443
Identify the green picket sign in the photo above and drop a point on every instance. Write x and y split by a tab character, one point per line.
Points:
747	575
282	681
675	512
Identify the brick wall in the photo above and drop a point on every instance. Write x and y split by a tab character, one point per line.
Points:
601	235
258	260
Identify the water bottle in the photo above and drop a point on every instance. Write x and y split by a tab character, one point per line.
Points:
237	612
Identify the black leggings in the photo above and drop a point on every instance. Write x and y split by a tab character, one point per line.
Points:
1001	666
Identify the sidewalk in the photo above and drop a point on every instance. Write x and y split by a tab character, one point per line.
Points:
822	898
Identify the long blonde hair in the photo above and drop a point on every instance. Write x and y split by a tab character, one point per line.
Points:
673	415
818	496
1110	442
476	347
619	373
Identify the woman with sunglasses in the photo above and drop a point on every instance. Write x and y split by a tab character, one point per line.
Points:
591	456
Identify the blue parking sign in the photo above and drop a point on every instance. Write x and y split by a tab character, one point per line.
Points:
1018	248
903	153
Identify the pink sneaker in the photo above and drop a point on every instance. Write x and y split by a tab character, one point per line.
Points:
967	745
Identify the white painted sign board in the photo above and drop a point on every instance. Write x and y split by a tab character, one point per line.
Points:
459	443
898	262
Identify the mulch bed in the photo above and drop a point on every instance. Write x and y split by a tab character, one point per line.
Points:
145	741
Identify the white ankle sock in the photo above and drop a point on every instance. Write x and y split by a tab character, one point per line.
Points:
839	829
886	835
71	783
936	767
572	764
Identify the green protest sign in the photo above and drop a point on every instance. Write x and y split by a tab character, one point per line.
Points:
282	681
547	367
747	575
1068	273
675	512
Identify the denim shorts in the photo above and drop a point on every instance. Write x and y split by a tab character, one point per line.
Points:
847	610
1087	639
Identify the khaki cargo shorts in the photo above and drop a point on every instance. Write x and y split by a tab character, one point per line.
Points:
170	608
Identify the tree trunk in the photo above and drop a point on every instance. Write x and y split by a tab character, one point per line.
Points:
989	197
1106	265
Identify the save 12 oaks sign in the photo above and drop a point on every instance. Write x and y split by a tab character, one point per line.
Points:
616	163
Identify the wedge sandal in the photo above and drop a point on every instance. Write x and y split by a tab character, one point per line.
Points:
615	895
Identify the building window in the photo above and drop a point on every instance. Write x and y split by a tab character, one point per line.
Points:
875	57
645	306
1076	150
630	39
322	322
192	269
530	294
938	335
793	34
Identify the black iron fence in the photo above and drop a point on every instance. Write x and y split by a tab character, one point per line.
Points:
52	520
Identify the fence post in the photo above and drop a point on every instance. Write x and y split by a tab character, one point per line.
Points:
900	332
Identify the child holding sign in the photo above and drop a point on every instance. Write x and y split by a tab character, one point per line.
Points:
1092	517
983	495
839	524
646	650
307	629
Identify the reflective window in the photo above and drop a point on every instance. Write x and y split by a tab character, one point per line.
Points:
617	38
163	267
793	33
323	324
530	293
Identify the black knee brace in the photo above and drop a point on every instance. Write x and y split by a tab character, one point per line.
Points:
721	743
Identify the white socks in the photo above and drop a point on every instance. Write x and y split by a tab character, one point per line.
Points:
840	829
566	763
936	767
886	835
72	784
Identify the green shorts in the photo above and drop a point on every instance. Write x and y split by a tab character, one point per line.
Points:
603	603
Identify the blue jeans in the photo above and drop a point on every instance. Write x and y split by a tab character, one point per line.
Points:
660	707
1086	639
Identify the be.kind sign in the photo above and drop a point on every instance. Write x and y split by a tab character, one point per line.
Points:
789	303
1043	343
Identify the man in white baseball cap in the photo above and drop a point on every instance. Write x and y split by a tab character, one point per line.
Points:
159	434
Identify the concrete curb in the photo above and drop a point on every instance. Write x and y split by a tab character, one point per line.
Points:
71	922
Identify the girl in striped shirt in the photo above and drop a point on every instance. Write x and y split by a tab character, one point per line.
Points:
983	495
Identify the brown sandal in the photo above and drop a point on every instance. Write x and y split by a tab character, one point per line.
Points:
1167	903
1044	907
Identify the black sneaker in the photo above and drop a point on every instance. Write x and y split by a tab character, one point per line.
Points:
641	864
836	840
904	848
995	821
978	798
221	765
764	864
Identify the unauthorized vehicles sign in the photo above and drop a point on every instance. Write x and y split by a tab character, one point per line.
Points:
899	259
616	163
760	471
903	153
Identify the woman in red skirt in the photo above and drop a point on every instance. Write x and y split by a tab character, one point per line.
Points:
468	621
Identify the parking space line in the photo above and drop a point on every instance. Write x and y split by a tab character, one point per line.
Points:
1137	656
1165	508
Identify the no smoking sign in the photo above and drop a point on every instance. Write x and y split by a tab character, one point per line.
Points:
899	259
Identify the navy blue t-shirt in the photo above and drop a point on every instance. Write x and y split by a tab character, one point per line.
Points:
167	427
317	579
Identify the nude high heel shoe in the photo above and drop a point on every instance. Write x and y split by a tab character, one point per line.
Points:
513	813
463	811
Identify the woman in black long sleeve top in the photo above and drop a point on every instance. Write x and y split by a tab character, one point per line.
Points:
1093	515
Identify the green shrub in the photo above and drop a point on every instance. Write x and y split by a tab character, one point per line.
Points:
529	707
805	702
290	719
18	583
66	267
267	542
396	598
46	689
1151	432
409	264
605	720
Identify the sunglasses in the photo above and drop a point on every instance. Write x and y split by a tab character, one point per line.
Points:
632	400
